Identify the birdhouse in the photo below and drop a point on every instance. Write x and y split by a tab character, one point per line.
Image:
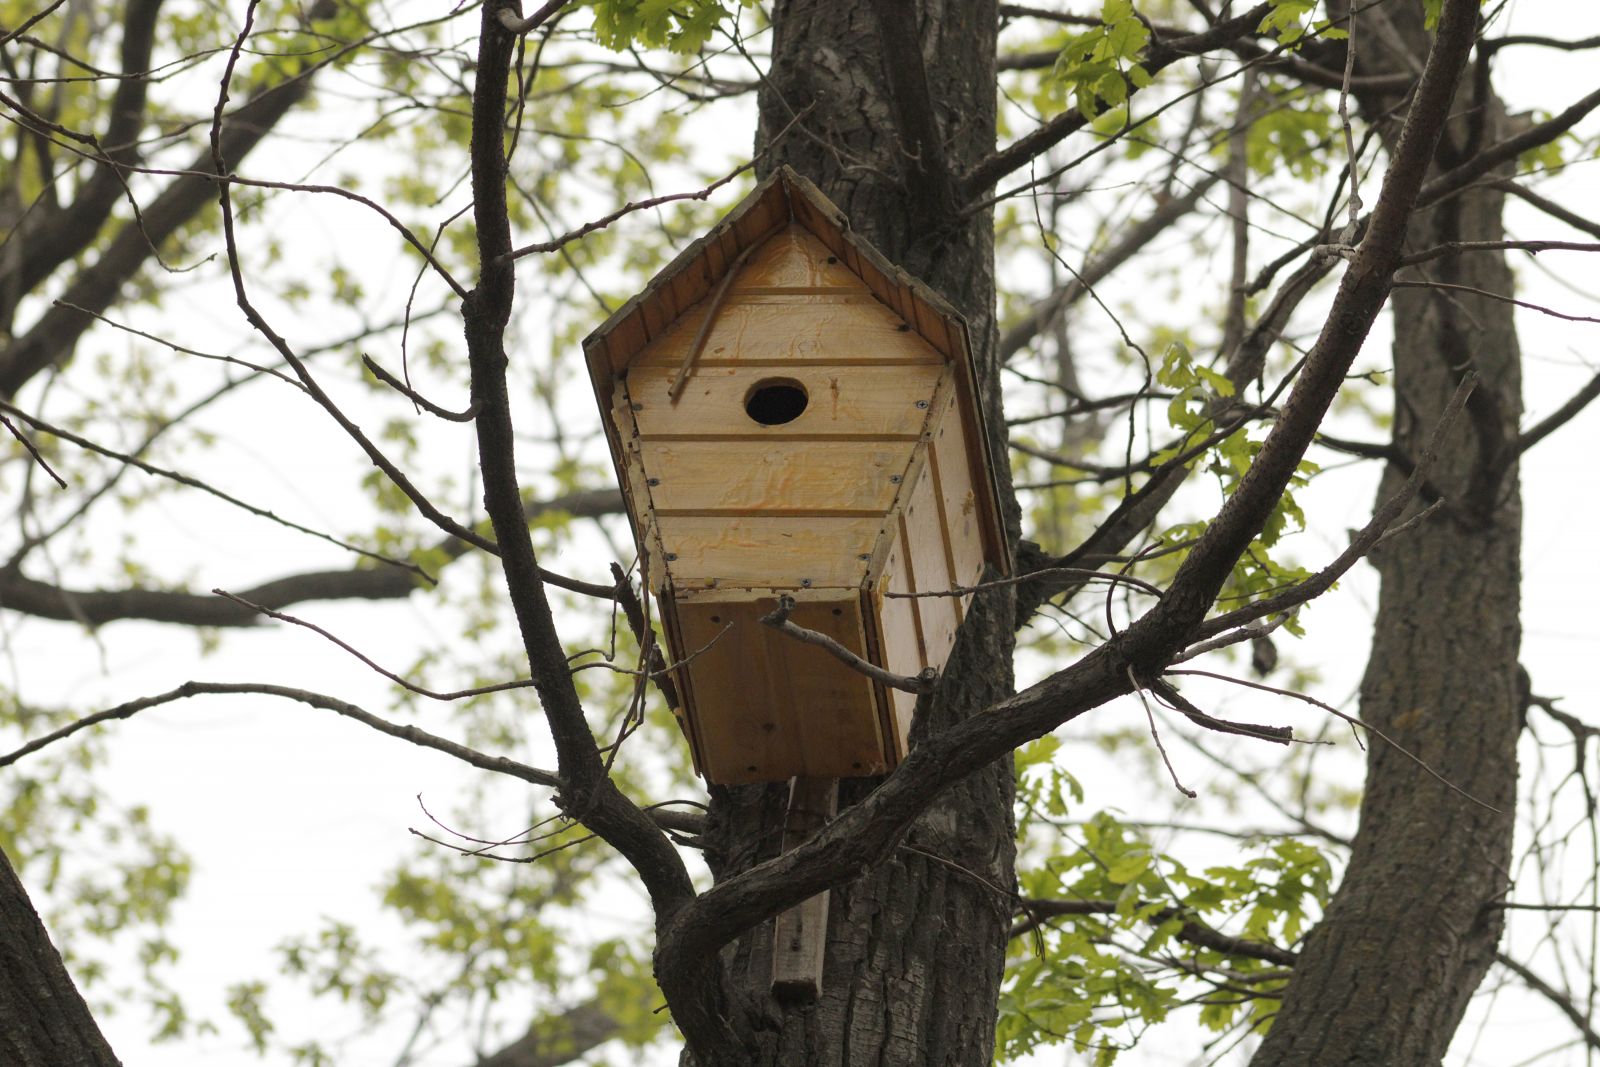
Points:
790	414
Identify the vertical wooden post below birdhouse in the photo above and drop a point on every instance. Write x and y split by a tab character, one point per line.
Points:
791	415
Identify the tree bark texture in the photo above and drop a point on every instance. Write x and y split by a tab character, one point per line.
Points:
43	1020
881	105
1386	977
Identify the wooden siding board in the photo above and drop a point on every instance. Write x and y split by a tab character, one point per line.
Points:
963	515
899	629
794	258
772	477
805	329
926	554
767	551
860	401
681	679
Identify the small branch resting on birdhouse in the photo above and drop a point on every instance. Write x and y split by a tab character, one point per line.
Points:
682	377
778	619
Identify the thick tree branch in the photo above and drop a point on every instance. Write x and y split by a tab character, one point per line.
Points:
1194	932
588	795
95	607
1559	417
924	166
64	232
551	1042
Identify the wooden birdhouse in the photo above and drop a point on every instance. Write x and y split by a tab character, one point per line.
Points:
791	414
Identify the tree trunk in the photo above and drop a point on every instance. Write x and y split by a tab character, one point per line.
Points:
43	1020
1386	976
916	948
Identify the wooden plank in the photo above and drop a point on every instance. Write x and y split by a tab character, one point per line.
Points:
800	935
684	713
776	552
873	401
807	329
768	707
929	571
694	283
770	208
653	312
792	259
774	476
960	510
931	325
899	631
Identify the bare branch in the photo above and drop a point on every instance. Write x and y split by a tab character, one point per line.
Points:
413	734
778	619
195	483
1559	417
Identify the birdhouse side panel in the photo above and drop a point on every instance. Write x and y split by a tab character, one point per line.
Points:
928	566
898	626
765	707
960	511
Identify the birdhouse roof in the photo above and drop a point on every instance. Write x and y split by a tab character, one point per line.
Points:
760	237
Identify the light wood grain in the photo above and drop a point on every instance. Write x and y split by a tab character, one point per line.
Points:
960	513
800	935
768	551
840	400
766	707
784	328
795	259
774	477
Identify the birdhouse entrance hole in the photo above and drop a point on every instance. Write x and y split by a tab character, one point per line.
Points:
775	401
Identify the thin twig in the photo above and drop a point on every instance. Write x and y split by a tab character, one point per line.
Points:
1352	720
460	694
1155	735
33	450
195	483
713	306
778	619
1044	572
416	736
417	398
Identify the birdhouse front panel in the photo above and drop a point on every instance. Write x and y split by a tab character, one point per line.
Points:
791	416
767	710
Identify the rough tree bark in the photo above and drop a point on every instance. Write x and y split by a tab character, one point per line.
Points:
916	948
1411	933
43	1020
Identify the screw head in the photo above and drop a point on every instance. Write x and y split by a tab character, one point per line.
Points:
670	556
864	556
894	479
805	583
636	407
652	481
922	405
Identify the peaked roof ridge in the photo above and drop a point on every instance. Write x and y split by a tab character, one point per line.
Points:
785	197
